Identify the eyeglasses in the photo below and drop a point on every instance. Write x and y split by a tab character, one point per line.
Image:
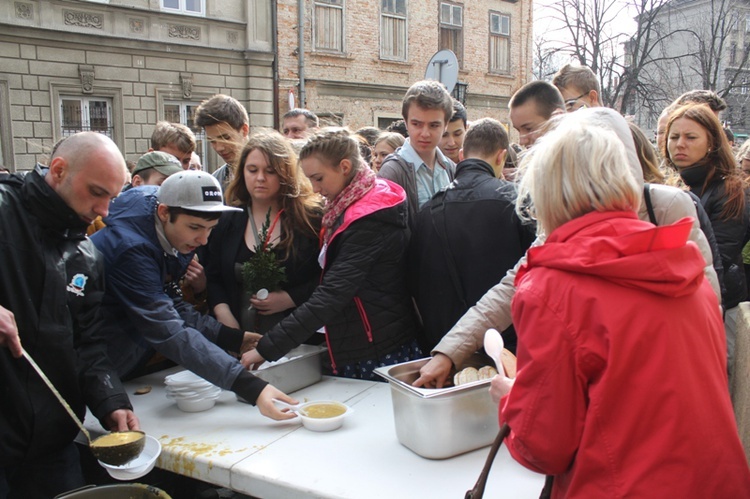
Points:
572	102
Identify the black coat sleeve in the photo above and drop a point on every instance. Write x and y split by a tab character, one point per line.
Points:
353	253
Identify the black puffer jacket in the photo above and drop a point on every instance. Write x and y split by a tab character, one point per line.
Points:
362	299
471	227
52	280
730	234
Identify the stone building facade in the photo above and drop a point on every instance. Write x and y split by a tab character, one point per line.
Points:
360	56
118	66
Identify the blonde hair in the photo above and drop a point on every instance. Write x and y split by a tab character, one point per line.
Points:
574	170
392	139
332	145
744	152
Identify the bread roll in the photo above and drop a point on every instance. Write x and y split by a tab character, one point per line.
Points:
509	363
487	372
465	376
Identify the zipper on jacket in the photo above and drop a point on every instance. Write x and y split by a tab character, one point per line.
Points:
363	316
330	352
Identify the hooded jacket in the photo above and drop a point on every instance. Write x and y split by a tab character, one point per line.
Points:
621	388
52	280
362	299
144	311
670	204
471	227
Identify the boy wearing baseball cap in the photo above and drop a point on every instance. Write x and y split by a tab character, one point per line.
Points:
150	238
153	168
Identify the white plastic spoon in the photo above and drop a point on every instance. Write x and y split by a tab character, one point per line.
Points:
493	345
293	408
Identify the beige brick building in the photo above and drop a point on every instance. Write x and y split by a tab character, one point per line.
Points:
360	56
118	66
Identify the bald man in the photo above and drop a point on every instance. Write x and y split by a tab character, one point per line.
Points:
51	286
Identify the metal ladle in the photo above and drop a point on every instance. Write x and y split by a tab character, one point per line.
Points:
115	455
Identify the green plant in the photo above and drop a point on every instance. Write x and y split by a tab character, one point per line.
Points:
263	271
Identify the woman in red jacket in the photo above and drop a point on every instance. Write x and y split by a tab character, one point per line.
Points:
621	388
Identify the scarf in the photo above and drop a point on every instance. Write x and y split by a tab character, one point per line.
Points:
360	185
695	175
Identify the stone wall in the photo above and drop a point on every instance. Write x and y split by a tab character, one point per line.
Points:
132	54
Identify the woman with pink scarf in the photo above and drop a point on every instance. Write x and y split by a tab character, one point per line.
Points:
362	300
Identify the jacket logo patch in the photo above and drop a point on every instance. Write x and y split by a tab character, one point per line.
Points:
77	284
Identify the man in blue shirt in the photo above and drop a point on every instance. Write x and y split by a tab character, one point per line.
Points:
418	166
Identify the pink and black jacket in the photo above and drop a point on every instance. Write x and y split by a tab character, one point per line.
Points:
362	300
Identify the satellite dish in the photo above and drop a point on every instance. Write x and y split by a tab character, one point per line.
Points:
443	67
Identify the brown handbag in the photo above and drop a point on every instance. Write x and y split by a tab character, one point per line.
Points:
478	491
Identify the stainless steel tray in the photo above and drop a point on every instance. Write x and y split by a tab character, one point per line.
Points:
304	369
439	423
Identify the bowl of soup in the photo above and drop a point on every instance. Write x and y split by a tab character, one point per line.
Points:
323	415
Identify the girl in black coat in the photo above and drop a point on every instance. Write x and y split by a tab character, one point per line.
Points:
268	186
697	148
362	300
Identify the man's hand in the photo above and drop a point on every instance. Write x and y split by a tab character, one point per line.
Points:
195	277
249	341
9	333
122	420
251	358
277	301
500	387
435	372
268	409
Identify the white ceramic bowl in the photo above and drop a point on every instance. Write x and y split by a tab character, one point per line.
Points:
330	423
195	404
186	394
186	379
139	466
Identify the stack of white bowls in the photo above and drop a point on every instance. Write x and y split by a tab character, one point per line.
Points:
191	392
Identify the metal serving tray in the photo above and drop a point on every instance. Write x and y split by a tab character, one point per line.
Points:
297	373
439	423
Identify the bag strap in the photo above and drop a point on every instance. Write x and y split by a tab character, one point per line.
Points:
437	209
478	491
649	204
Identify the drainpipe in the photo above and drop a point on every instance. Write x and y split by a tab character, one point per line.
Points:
301	50
275	66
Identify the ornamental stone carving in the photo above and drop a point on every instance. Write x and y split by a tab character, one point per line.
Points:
87	78
232	37
24	11
136	25
183	31
82	19
186	80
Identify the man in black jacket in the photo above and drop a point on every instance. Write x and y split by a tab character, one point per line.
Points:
51	286
467	236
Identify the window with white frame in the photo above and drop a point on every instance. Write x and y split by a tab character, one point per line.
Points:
451	29
191	7
184	113
499	43
328	27
393	31
84	114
